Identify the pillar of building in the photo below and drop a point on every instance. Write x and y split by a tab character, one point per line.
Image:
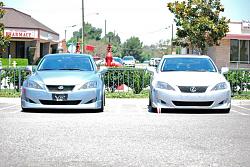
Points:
36	43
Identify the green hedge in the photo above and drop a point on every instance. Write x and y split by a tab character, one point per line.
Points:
136	79
19	61
239	80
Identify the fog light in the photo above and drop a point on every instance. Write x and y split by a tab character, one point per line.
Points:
224	101
91	101
163	102
29	100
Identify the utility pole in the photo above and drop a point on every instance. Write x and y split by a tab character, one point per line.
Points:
172	34
105	29
83	50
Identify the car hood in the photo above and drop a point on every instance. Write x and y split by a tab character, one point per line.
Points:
190	78
64	77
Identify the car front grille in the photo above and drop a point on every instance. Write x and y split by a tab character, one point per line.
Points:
68	102
193	89
60	88
192	103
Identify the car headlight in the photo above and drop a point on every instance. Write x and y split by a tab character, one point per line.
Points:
220	86
89	85
163	85
34	85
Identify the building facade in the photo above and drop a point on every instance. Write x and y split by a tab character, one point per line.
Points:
29	38
234	49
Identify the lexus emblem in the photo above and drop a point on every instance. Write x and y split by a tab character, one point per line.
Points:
60	87
193	89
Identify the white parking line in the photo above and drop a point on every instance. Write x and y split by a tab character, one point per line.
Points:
243	107
8	107
241	113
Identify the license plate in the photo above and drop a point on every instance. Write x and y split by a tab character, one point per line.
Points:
59	97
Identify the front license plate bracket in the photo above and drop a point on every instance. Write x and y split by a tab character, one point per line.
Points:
59	97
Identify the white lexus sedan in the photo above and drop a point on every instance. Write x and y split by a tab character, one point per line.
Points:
189	82
64	81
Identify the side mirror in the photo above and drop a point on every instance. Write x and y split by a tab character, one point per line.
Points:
151	69
103	70
28	69
224	70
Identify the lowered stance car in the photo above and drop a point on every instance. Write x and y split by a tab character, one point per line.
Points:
189	82
129	61
64	81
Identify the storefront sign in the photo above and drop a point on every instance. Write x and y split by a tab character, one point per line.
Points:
245	25
21	33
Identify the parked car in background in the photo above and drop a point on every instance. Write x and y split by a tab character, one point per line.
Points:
154	61
189	82
64	81
129	61
117	62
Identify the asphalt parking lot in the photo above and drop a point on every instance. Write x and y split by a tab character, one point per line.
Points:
125	134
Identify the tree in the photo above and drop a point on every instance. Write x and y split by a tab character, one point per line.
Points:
4	40
115	41
90	33
198	23
132	47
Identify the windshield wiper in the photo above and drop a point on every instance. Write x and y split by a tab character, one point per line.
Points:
71	69
45	69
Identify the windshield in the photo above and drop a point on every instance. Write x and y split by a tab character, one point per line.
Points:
188	64
66	62
117	60
128	58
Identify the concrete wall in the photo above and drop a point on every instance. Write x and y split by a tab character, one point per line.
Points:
221	54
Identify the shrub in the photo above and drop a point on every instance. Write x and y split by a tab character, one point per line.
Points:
136	79
239	80
19	61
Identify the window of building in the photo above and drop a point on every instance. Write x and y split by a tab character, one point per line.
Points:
234	50
244	51
240	51
20	49
248	52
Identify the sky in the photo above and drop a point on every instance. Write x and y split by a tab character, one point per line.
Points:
150	20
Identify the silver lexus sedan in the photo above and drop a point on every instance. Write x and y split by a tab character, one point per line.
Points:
189	82
64	81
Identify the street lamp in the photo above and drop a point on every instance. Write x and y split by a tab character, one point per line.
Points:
66	30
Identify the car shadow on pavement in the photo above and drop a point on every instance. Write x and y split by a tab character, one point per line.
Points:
187	111
61	111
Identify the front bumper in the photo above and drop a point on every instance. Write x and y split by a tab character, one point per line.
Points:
129	64
220	99
81	99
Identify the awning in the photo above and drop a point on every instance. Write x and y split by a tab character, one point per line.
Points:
238	36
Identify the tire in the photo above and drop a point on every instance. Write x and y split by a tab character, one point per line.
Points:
151	109
26	110
102	105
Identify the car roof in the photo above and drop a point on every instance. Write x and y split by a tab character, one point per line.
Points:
68	54
128	56
185	56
